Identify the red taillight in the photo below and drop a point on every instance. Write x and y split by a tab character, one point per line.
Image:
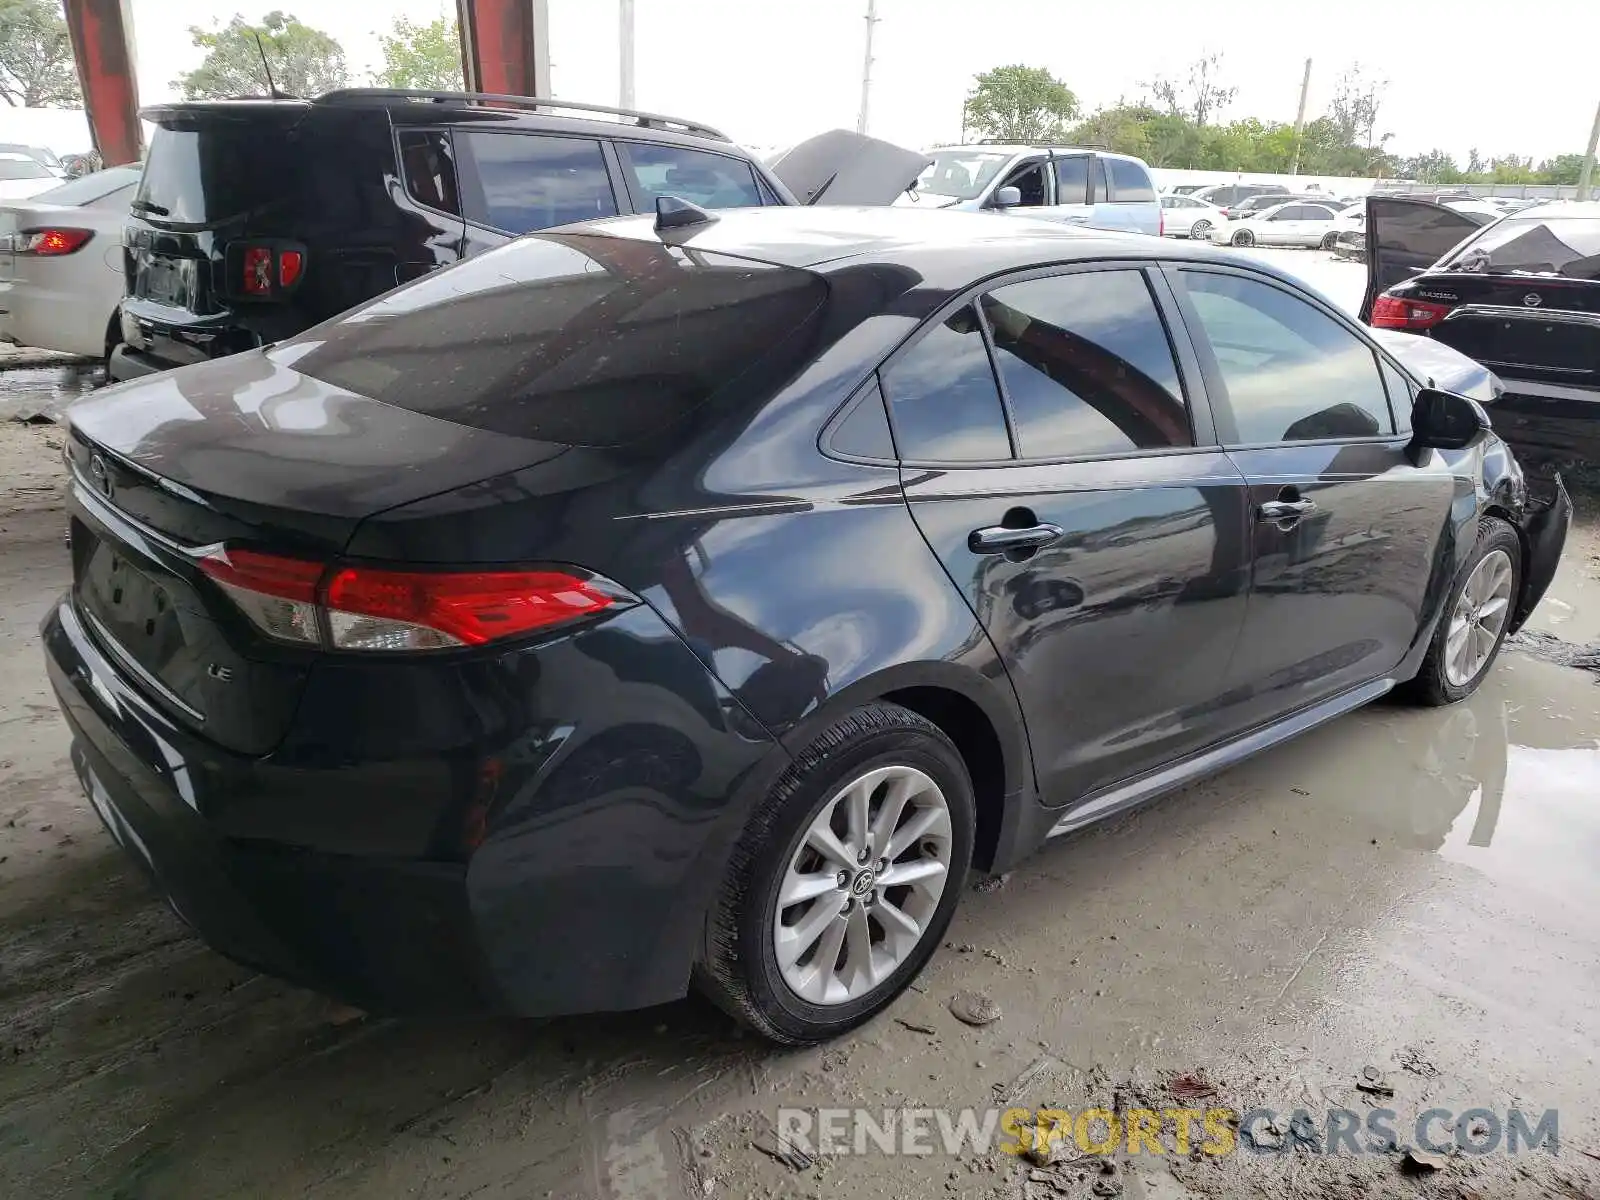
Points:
51	243
370	608
1396	312
289	264
268	270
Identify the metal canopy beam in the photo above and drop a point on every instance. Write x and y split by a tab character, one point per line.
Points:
505	46
102	45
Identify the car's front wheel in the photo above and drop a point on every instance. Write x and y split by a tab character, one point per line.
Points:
845	879
1476	617
1329	240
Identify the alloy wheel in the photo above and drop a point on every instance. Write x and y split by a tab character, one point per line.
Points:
1200	229
1480	614
1244	238
863	885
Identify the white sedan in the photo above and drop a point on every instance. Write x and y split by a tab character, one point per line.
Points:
1296	223
61	264
1189	217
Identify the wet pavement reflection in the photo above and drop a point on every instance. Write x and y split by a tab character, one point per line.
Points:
29	392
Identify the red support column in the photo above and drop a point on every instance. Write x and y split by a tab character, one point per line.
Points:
102	44
505	46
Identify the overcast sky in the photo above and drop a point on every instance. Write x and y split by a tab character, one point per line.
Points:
1503	77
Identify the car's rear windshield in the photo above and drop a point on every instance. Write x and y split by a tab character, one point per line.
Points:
579	339
205	171
1565	246
86	189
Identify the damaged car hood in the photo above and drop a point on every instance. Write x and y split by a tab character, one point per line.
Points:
841	167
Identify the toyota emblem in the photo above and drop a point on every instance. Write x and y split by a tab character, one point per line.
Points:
1533	300
98	472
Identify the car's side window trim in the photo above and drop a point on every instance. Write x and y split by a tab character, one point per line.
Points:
1191	380
1211	370
472	181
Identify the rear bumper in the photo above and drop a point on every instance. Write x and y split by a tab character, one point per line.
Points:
585	893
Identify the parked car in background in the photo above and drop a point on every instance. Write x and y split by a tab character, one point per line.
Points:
1189	217
1296	223
61	264
40	154
23	175
255	219
1183	189
1056	183
1226	195
1521	294
421	660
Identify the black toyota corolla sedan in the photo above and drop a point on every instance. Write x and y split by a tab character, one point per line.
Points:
693	602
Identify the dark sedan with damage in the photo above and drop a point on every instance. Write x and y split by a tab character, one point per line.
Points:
694	601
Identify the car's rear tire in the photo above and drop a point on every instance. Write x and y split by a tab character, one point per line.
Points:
1244	238
801	958
1477	613
1200	230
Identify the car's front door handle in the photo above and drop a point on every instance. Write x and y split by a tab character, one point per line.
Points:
1001	539
1285	510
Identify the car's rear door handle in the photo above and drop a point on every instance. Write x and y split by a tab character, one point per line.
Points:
1285	510
1000	539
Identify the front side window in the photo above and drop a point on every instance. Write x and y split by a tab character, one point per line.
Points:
709	180
1072	180
1029	182
1087	366
1129	183
524	182
1289	371
429	166
943	402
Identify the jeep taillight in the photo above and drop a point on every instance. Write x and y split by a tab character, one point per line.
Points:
349	606
267	270
1396	312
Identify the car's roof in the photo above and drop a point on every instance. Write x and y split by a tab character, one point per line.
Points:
827	238
1578	210
1025	148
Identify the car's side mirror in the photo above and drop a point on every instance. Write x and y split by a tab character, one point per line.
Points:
1006	197
1446	421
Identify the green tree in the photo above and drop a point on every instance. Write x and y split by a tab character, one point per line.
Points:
1436	166
36	68
1511	168
1563	168
421	56
304	61
1020	104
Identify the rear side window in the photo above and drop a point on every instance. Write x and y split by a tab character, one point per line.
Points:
430	169
943	401
1098	192
585	341
1290	372
1072	180
522	182
709	180
1087	366
1129	183
1564	246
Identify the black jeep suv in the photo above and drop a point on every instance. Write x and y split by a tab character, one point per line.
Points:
256	219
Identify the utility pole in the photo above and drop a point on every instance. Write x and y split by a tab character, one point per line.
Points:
625	45
542	84
866	67
1586	176
1300	119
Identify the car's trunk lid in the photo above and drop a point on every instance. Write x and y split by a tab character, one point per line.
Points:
841	167
244	451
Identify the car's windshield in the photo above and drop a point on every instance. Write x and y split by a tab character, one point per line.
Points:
962	173
1564	246
15	166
